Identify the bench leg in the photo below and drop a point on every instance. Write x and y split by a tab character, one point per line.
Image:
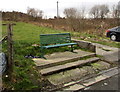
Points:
71	48
41	52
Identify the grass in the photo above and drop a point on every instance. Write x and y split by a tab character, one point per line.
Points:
98	39
95	65
25	32
25	75
110	43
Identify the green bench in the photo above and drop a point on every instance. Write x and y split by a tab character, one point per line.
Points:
55	40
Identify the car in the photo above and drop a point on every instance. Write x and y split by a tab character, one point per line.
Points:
113	33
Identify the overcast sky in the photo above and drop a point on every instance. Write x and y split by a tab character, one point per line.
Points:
49	6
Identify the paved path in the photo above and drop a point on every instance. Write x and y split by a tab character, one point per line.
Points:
111	54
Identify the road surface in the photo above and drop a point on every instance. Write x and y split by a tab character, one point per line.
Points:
112	83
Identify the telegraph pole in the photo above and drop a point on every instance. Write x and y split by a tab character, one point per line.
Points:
57	10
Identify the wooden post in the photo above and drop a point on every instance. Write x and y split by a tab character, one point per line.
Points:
10	48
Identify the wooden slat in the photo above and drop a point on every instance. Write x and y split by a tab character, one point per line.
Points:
55	38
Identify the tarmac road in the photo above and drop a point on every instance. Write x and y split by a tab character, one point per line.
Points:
112	83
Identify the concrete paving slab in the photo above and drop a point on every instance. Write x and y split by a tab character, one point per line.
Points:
74	87
89	69
101	65
63	77
112	55
57	58
67	76
67	66
76	74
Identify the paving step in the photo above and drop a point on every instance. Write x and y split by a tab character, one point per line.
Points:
42	63
84	83
78	85
66	66
77	73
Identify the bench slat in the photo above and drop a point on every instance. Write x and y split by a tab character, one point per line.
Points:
58	45
55	38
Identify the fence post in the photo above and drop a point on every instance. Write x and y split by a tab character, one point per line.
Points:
10	48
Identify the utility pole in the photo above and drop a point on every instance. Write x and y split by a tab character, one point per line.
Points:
57	10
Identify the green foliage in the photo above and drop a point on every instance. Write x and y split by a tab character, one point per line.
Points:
95	65
24	36
25	48
25	32
109	43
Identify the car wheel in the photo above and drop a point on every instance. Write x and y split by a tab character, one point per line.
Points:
113	37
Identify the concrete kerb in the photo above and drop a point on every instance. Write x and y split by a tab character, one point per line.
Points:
111	56
85	44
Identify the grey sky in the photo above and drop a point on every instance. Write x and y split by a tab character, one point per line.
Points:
49	6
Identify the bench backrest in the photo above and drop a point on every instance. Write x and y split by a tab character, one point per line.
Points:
55	38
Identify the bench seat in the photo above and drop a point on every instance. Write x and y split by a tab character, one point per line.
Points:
58	45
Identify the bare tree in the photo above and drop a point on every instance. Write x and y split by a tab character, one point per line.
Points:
74	18
40	13
35	12
99	11
70	12
103	11
118	13
118	10
95	11
30	11
113	11
81	13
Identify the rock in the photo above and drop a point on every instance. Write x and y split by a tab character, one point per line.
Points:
105	84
